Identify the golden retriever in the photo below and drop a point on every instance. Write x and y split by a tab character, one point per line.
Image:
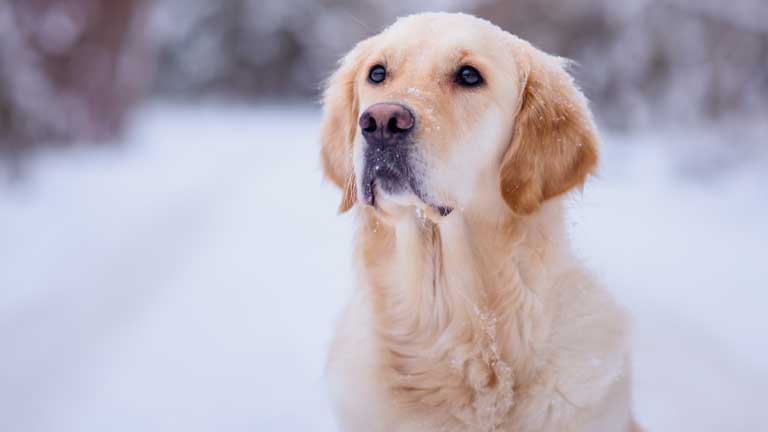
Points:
456	143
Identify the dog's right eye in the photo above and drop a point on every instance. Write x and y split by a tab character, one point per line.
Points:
377	74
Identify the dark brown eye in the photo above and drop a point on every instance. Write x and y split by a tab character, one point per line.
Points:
468	77
377	74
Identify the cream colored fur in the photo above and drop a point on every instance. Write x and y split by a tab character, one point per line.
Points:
482	320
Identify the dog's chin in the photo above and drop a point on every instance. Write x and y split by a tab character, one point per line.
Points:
403	202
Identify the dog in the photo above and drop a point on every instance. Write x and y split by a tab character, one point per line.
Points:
457	143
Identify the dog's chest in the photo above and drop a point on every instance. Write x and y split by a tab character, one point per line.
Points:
463	362
454	341
491	374
461	375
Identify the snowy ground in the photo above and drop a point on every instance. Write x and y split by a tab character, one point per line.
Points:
189	279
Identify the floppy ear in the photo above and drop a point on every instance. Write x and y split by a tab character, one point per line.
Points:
340	107
554	146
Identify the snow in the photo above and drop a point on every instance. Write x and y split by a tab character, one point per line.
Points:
189	279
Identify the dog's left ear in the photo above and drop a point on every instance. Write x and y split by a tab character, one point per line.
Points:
340	112
555	145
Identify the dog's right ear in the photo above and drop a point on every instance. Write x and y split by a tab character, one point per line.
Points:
340	112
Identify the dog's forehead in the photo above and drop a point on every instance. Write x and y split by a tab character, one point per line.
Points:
450	36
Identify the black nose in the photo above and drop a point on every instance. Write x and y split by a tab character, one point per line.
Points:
385	121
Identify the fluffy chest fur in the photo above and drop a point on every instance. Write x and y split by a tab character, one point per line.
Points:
460	326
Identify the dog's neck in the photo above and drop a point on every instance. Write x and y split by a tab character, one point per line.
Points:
461	306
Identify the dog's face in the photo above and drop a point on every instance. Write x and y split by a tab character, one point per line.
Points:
447	111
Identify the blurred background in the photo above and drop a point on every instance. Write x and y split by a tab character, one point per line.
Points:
170	258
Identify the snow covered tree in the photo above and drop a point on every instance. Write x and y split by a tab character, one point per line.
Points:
69	69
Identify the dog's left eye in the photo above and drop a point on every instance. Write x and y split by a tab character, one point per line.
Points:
468	76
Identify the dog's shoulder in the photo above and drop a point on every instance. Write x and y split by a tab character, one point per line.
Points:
587	363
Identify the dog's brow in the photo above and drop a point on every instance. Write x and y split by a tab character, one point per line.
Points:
461	54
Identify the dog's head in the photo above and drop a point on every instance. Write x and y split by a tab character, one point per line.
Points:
445	111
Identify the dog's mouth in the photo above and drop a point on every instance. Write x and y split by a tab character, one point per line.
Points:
383	181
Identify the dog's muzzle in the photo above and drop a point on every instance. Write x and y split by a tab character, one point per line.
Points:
387	129
388	157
